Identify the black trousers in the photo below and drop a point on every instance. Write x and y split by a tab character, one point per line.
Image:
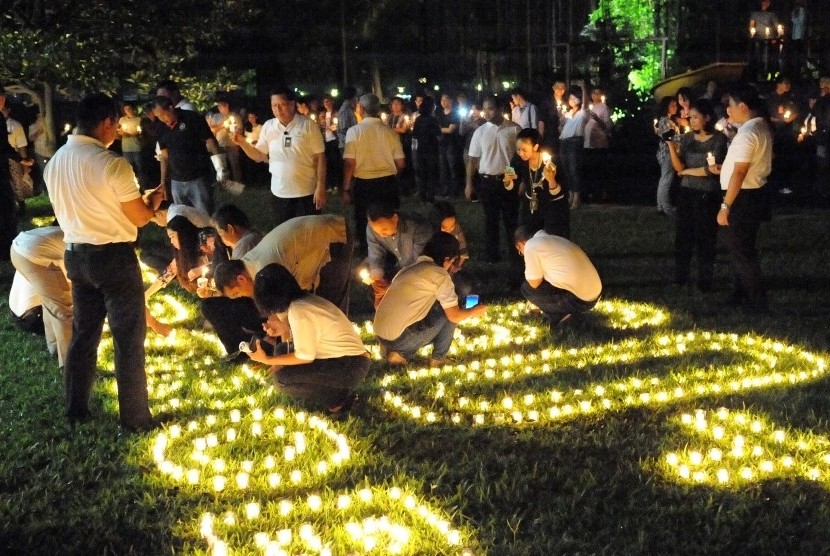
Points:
233	320
696	232
498	204
751	207
286	208
106	283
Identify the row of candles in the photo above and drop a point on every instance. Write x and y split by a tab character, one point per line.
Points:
767	31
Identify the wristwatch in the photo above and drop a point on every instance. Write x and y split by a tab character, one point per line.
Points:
724	206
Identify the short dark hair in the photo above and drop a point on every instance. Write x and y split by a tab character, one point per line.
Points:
519	92
94	109
381	209
427	107
491	98
576	92
349	92
442	210
226	272
165	103
748	95
284	92
664	104
275	288
523	233
442	246
230	215
530	134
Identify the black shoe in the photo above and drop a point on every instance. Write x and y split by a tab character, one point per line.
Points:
340	412
151	425
78	417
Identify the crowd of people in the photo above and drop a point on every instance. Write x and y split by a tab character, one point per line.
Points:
281	298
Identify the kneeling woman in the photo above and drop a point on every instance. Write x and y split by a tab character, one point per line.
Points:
328	360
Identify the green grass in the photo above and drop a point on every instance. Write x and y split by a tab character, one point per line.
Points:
586	440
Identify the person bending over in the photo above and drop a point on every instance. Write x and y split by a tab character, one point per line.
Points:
328	360
421	307
559	277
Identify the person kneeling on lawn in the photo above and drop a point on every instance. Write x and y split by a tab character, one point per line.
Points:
421	306
328	360
559	277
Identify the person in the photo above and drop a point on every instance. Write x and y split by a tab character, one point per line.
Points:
42	139
559	278
544	202
189	258
334	158
421	307
684	98
664	127
129	130
224	124
491	148
346	116
187	148
170	89
571	142
293	146
21	178
150	127
372	158
394	241
329	359
524	112
426	140
798	37
97	202
764	31
448	156
317	250
745	205
557	107
596	146
37	255
698	198
401	123
444	219
235	230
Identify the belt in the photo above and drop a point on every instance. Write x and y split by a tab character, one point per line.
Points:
492	176
91	247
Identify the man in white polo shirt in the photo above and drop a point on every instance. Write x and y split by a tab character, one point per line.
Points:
559	277
293	147
372	159
491	148
97	202
743	176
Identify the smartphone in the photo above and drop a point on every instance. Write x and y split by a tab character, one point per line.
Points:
470	301
668	134
509	170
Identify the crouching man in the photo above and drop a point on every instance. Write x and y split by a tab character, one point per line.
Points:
421	306
559	277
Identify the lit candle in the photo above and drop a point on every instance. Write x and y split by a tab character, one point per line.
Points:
719	127
138	129
780	30
787	115
202	281
383	116
710	159
313	117
603	99
752	32
768	32
364	276
232	127
334	121
546	157
67	128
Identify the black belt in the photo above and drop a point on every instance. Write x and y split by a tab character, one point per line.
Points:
91	247
499	177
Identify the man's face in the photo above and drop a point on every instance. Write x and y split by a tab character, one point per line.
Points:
520	247
168	116
446	102
224	108
559	90
396	106
242	287
489	110
385	227
737	111
283	109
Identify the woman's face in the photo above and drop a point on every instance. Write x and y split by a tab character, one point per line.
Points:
697	120
174	238
573	101
672	108
525	149
684	101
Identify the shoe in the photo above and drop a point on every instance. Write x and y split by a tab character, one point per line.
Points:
341	410
79	417
392	357
437	363
151	425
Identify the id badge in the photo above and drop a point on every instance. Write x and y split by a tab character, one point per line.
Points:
286	141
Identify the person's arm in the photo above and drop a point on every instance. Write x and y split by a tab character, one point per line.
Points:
164	166
141	210
348	174
400	165
535	283
212	146
456	314
319	160
276	361
676	163
732	191
541	128
472	170
250	150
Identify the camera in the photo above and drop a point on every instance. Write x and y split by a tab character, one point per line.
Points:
668	135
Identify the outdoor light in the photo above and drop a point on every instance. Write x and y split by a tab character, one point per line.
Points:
401	90
334	92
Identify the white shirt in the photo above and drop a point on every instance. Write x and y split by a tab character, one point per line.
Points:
17	137
42	246
411	295
574	125
301	245
525	116
494	146
753	144
321	330
563	264
86	185
22	296
374	148
291	149
595	136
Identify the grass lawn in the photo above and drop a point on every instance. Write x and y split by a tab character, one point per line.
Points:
660	423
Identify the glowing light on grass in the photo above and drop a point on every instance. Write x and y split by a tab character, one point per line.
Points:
731	448
698	364
384	521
